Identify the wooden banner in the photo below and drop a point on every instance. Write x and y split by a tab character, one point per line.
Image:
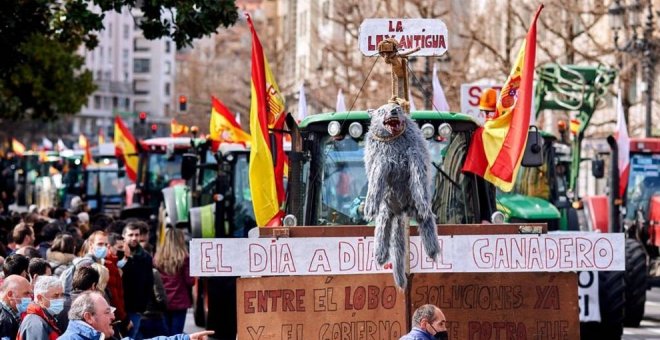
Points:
320	307
502	305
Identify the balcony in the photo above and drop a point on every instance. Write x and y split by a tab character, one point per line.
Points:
117	87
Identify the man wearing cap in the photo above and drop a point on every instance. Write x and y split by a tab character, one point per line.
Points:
488	104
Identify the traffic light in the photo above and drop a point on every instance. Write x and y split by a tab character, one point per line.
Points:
154	128
143	117
183	103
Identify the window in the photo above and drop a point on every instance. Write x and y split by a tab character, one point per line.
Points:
124	54
168	67
115	102
167	89
110	30
166	107
168	46
141	65
126	32
97	102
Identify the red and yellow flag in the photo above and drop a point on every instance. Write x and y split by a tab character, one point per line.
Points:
101	139
497	148
223	126
266	114
17	147
178	129
126	148
84	144
574	126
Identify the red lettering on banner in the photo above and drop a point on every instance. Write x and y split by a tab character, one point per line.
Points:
319	259
258	258
220	267
565	246
205	247
248	304
603	253
583	248
346	256
535	254
484	259
551	253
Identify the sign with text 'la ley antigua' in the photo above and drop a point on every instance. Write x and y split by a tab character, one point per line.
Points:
430	35
554	252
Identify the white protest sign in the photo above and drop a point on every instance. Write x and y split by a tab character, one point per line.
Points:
428	34
588	296
556	252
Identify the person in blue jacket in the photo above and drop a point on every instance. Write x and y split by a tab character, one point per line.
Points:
428	323
91	317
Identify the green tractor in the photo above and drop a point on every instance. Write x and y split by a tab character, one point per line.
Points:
580	89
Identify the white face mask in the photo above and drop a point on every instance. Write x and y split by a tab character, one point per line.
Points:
121	263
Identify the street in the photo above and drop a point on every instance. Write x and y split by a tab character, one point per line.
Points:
650	327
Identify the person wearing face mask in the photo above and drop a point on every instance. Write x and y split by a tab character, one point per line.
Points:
15	296
39	320
428	323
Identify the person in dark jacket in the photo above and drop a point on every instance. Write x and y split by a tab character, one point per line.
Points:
16	265
15	296
39	320
137	278
172	262
91	319
429	323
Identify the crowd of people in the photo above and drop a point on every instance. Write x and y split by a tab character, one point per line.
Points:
68	276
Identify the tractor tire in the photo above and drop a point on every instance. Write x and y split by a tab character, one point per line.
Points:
636	283
199	313
612	300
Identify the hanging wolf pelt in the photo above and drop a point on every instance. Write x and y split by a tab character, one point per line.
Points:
399	183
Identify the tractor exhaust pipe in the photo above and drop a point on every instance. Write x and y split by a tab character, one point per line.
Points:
614	220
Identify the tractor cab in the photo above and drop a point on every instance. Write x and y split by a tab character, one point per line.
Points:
333	181
104	185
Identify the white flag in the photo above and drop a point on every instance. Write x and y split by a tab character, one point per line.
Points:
439	100
46	143
623	144
341	105
302	103
238	118
412	101
60	145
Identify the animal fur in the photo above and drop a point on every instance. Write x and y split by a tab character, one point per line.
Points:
397	162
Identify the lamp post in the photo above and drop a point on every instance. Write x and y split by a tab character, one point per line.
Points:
641	43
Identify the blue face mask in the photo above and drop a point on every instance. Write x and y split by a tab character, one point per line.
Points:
56	306
22	306
100	252
121	263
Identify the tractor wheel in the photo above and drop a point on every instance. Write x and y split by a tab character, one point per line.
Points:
199	313
612	298
636	276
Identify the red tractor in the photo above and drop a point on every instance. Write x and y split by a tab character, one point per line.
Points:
640	209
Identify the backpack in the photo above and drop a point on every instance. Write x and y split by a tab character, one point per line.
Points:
67	275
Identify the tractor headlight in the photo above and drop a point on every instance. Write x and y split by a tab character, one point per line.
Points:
445	130
334	128
497	217
355	130
290	221
428	130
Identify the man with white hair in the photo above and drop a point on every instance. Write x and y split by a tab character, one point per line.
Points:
15	296
39	321
90	318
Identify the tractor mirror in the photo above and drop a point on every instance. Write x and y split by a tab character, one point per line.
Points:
533	155
598	168
188	166
121	173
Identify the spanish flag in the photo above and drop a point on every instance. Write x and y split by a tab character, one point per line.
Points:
126	148
224	127
266	113
574	126
497	148
84	144
17	147
178	129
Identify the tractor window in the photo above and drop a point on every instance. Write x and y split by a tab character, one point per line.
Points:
534	181
243	210
344	182
643	183
111	184
163	169
92	183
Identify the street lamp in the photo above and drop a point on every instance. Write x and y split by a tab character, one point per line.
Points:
642	45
